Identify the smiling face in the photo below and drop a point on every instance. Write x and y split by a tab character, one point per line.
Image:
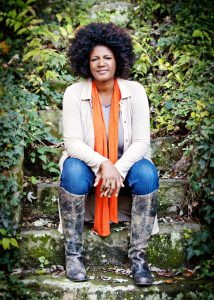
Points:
102	63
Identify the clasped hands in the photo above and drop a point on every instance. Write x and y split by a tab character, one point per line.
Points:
111	179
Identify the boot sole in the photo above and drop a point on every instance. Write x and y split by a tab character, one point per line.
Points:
77	280
143	284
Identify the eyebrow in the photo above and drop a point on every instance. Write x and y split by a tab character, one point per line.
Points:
103	55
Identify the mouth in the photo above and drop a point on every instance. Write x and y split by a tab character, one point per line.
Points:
102	71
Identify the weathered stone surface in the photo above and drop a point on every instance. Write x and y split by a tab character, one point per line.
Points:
172	196
53	119
44	206
17	172
48	198
165	152
120	287
44	242
165	249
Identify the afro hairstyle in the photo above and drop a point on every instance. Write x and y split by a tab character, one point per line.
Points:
105	34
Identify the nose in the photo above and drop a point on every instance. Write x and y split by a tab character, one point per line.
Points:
101	62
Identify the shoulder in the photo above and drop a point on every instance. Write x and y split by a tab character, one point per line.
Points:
131	85
79	90
132	88
75	87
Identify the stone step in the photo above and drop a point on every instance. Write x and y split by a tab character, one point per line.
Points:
166	249
171	199
105	283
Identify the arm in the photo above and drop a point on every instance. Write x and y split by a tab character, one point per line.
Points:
72	131
140	143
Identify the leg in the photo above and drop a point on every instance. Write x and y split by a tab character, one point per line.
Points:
142	178
77	178
76	181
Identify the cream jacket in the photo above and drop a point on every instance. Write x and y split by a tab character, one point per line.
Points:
78	125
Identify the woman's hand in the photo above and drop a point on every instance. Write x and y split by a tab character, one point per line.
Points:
111	179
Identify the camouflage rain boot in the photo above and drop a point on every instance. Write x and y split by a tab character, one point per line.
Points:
72	208
142	221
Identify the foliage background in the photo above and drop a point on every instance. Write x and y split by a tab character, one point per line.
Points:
173	42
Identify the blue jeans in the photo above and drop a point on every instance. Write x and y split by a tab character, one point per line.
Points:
78	178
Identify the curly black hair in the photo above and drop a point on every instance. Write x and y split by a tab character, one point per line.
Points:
105	34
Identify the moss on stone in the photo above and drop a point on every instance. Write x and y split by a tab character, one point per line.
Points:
53	119
17	172
165	151
172	193
97	288
46	203
166	251
36	244
48	199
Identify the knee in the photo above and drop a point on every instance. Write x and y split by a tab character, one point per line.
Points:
144	177
77	177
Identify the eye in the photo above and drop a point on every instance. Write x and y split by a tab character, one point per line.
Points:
93	59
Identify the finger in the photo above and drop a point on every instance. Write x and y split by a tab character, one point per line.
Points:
111	191
103	185
118	187
117	191
105	193
112	188
97	179
121	182
107	185
113	184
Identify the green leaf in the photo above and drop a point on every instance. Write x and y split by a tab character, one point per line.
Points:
43	158
54	170
3	231
34	180
69	29
137	47
169	105
184	59
13	242
51	75
198	33
40	272
59	17
6	243
42	259
63	31
22	30
39	68
17	26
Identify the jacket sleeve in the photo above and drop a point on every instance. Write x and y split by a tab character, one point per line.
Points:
140	123
73	134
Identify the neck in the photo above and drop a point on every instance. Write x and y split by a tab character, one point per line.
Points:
105	87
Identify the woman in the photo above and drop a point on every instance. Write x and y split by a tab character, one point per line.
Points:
107	139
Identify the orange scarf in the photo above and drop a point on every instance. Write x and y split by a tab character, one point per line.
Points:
106	209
